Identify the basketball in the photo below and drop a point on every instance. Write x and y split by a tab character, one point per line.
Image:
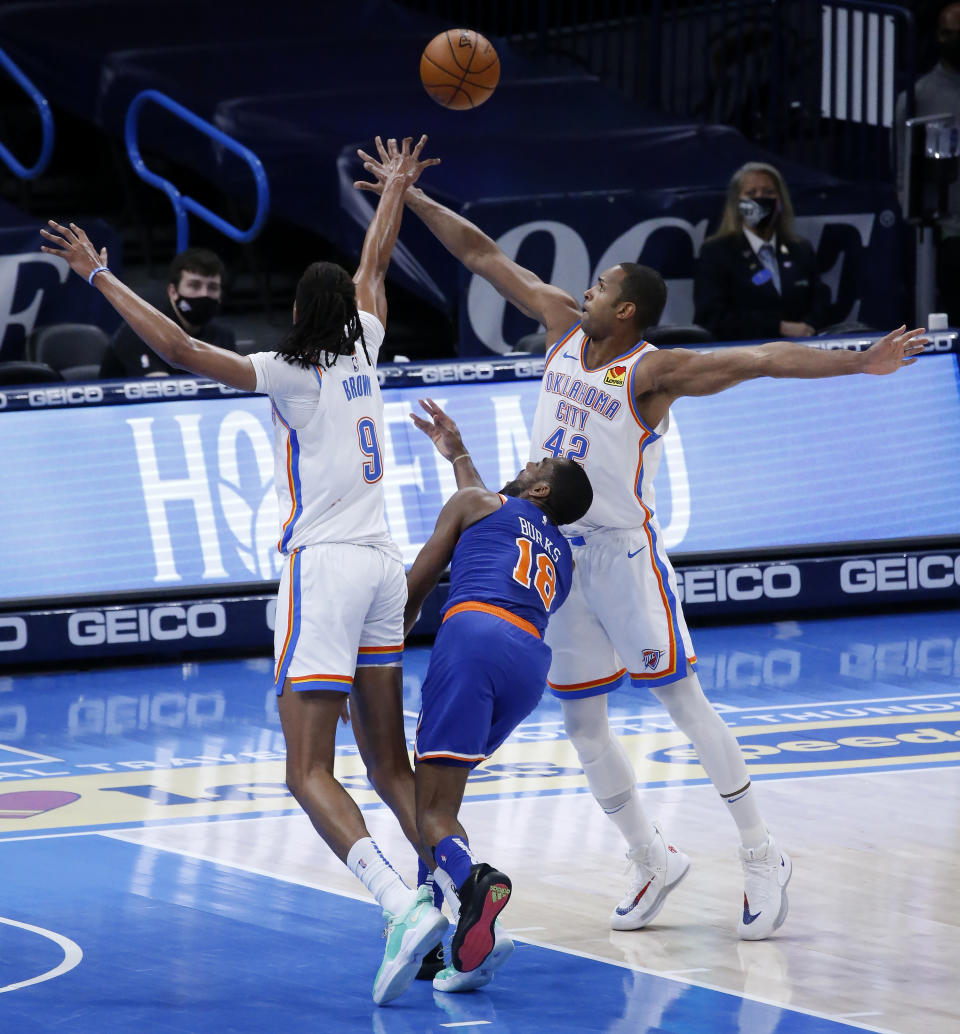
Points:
460	69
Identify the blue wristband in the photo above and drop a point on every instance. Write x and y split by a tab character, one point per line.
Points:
93	273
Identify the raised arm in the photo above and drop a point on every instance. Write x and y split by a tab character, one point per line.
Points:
445	435
549	305
669	374
169	340
401	167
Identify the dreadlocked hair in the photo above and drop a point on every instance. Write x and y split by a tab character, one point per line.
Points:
327	324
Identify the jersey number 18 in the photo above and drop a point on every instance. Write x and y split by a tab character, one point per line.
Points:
545	580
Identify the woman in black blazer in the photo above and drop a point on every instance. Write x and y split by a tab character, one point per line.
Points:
741	292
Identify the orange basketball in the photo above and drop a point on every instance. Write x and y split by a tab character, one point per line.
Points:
459	69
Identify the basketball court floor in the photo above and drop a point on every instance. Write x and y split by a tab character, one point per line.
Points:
157	876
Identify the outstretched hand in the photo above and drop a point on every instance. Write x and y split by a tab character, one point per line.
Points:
895	350
73	245
394	161
441	430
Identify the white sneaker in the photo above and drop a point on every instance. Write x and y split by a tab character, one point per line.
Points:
409	937
766	873
453	980
654	872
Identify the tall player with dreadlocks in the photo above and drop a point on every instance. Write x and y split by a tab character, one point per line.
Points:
339	624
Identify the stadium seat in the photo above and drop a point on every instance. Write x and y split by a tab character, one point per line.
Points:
535	343
678	334
68	346
19	371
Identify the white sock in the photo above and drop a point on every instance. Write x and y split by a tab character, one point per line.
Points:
445	883
719	753
372	869
609	772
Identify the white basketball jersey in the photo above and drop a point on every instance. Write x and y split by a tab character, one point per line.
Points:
328	463
589	415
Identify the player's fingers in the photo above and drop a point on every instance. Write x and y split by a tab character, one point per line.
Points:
392	147
430	161
363	156
420	145
50	236
78	233
381	150
405	146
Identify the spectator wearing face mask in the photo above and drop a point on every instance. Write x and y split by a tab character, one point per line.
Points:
192	298
755	278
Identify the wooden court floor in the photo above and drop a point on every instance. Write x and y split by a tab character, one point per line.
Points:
144	822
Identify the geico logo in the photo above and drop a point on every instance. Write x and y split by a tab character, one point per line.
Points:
865	744
121	712
890	574
75	395
941	342
459	372
715	585
160	388
835	344
146	624
528	368
13	633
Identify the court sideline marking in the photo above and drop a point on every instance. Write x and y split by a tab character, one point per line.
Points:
527	940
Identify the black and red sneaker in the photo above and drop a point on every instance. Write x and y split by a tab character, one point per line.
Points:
483	896
432	963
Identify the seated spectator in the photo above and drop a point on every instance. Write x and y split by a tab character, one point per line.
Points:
192	298
755	278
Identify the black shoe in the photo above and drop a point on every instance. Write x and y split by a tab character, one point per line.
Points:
432	963
483	896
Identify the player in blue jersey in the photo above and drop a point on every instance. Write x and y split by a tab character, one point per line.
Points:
510	569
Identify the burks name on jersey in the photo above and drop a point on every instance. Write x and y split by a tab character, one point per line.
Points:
532	532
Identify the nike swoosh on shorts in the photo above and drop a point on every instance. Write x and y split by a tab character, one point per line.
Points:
630	555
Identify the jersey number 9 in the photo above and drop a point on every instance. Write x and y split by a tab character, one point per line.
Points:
370	447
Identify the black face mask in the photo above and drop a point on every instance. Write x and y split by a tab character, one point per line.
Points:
758	212
197	311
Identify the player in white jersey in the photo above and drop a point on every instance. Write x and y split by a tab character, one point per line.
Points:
605	401
339	627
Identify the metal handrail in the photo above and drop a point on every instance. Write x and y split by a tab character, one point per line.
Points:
46	122
183	204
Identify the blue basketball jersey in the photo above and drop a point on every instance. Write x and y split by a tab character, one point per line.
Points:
515	559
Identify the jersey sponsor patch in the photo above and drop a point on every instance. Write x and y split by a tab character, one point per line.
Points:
615	376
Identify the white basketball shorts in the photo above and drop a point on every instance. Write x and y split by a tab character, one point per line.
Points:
622	617
339	606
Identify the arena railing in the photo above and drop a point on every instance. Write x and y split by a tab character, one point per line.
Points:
183	204
46	124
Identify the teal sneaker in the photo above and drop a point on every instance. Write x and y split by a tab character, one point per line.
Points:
452	980
409	937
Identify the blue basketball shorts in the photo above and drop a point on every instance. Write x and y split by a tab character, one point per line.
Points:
484	677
